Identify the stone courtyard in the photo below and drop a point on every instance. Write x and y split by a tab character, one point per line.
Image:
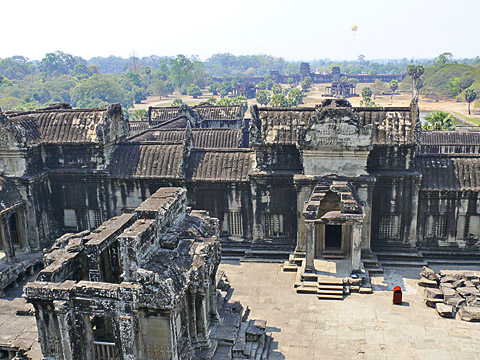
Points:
360	326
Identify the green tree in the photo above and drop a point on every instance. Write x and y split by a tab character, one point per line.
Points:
181	71
443	59
295	97
194	91
438	120
277	89
211	100
306	83
139	115
262	85
270	84
58	63
100	89
279	100
177	102
290	81
263	97
415	72
470	95
393	87
227	85
367	97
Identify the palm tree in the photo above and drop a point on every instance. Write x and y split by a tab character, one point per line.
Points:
438	120
470	95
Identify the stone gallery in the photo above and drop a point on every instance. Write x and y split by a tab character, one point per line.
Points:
122	207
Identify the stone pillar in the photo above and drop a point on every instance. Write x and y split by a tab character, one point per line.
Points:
356	246
303	193
201	312
65	322
6	236
310	246
192	317
412	235
21	229
47	334
127	338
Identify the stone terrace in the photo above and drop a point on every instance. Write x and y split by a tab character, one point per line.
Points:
360	327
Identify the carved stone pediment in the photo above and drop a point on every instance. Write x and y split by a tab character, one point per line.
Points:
335	128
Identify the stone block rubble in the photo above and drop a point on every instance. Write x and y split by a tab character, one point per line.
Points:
452	292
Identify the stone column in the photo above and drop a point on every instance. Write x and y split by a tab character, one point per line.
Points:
21	229
192	317
303	193
356	246
201	316
412	235
6	236
127	338
65	322
310	246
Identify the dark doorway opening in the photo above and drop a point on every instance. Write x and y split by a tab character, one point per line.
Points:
333	236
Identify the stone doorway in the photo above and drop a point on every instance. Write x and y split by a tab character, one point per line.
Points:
333	237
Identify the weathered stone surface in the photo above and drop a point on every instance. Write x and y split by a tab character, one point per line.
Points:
458	283
433	293
448	279
445	310
448	292
429	274
427	283
469	313
466	291
432	302
454	300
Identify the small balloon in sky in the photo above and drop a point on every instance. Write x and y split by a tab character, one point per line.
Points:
354	27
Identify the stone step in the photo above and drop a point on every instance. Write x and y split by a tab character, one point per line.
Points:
330	287
307	289
330	297
288	266
309	277
395	263
374	271
329	281
450	261
330	292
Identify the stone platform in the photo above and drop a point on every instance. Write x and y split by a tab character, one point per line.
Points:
360	327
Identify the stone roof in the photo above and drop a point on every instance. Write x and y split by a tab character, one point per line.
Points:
9	196
60	125
162	114
202	138
449	173
146	161
450	142
200	112
390	126
216	138
138	126
211	112
220	165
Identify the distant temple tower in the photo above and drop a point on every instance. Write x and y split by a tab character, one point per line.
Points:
305	70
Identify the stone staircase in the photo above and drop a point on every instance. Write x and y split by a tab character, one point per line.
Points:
234	336
450	255
370	263
249	252
332	254
324	287
399	255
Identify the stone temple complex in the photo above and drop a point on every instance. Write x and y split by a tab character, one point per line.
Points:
135	216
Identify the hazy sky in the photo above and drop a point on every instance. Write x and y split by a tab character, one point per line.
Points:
295	30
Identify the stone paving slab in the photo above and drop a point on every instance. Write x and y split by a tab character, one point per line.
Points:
359	327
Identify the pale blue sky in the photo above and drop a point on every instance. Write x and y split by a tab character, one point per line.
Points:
294	30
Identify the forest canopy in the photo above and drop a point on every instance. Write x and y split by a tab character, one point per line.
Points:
62	77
